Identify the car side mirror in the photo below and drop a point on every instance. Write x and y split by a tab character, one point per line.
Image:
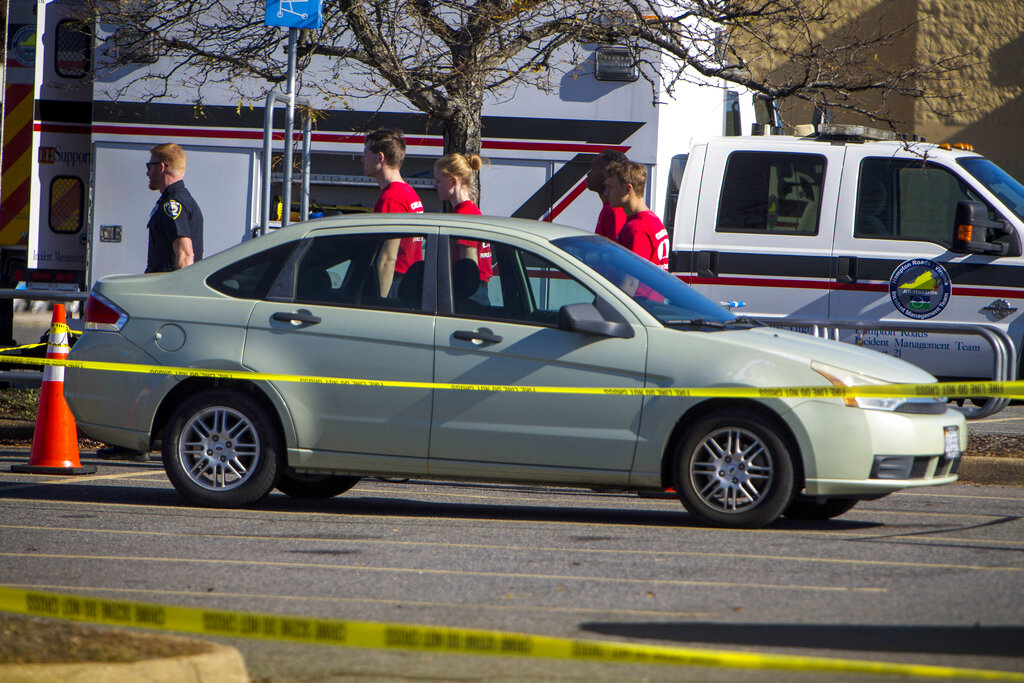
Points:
587	319
974	233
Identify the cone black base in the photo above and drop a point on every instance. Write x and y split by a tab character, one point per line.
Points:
42	469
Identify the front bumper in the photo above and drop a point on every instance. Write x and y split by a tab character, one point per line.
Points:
856	452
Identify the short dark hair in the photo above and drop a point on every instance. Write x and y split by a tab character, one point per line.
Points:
390	143
609	155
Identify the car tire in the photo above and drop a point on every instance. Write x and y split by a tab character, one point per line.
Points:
314	486
809	507
733	470
222	449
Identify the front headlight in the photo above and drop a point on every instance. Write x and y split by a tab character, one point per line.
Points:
848	378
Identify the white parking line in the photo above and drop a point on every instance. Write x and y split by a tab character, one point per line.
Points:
505	576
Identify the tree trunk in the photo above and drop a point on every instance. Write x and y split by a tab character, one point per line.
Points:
464	130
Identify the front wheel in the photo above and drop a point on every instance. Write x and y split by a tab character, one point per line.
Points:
733	470
222	449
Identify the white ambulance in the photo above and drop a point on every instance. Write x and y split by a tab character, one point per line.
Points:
88	139
910	249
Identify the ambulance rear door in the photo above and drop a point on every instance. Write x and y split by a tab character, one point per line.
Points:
892	262
764	225
61	143
220	179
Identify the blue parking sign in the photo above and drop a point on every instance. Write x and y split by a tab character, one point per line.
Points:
295	13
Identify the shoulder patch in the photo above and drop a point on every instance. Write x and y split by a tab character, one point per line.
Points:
173	209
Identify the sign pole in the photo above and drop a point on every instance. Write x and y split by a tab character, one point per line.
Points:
289	129
293	15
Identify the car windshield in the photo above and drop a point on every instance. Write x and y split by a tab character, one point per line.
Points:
999	182
664	295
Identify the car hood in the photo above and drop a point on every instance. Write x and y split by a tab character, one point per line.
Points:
804	348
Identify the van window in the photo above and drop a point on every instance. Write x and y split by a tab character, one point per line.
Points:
675	179
67	203
906	199
71	59
771	192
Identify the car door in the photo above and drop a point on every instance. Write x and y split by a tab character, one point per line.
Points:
764	233
897	215
325	317
508	335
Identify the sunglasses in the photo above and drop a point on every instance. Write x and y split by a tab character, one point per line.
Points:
151	164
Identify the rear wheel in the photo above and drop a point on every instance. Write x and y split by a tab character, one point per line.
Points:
733	470
809	507
222	449
314	486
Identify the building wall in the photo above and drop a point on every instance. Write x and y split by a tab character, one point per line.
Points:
991	88
982	104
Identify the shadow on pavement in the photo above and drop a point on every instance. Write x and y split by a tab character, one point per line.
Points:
958	640
617	510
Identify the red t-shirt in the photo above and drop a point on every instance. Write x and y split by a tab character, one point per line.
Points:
401	198
610	221
483	249
645	235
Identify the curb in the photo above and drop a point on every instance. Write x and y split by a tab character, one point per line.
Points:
978	469
222	664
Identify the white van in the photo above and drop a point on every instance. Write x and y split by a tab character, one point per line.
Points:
910	249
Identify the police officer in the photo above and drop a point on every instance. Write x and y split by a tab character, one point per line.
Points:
176	223
175	237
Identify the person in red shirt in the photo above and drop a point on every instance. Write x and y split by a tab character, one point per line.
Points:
383	155
611	218
643	232
454	176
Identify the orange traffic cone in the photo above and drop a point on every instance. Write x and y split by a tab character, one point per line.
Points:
55	442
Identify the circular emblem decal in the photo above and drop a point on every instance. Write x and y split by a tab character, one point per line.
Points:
23	45
920	288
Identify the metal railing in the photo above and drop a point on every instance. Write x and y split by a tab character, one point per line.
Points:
7	297
1004	366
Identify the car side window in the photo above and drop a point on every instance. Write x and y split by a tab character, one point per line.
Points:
251	277
353	271
906	199
503	282
771	192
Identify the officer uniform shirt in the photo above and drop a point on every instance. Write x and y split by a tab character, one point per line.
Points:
175	215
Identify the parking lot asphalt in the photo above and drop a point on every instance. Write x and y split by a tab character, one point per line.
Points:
556	562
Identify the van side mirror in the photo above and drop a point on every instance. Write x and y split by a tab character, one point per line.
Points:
974	233
588	319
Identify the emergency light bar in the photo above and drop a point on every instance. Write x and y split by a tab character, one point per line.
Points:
854	131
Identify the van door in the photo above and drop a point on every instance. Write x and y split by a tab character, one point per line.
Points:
220	180
766	237
893	264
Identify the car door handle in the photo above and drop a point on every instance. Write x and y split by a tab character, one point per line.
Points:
302	317
707	264
846	270
481	335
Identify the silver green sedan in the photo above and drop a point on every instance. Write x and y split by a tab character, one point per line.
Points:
476	300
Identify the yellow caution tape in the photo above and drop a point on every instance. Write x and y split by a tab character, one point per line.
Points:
23	347
935	389
392	636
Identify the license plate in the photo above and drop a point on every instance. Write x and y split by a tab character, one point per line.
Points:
952	442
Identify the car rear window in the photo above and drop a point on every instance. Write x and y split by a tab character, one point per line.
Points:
251	277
